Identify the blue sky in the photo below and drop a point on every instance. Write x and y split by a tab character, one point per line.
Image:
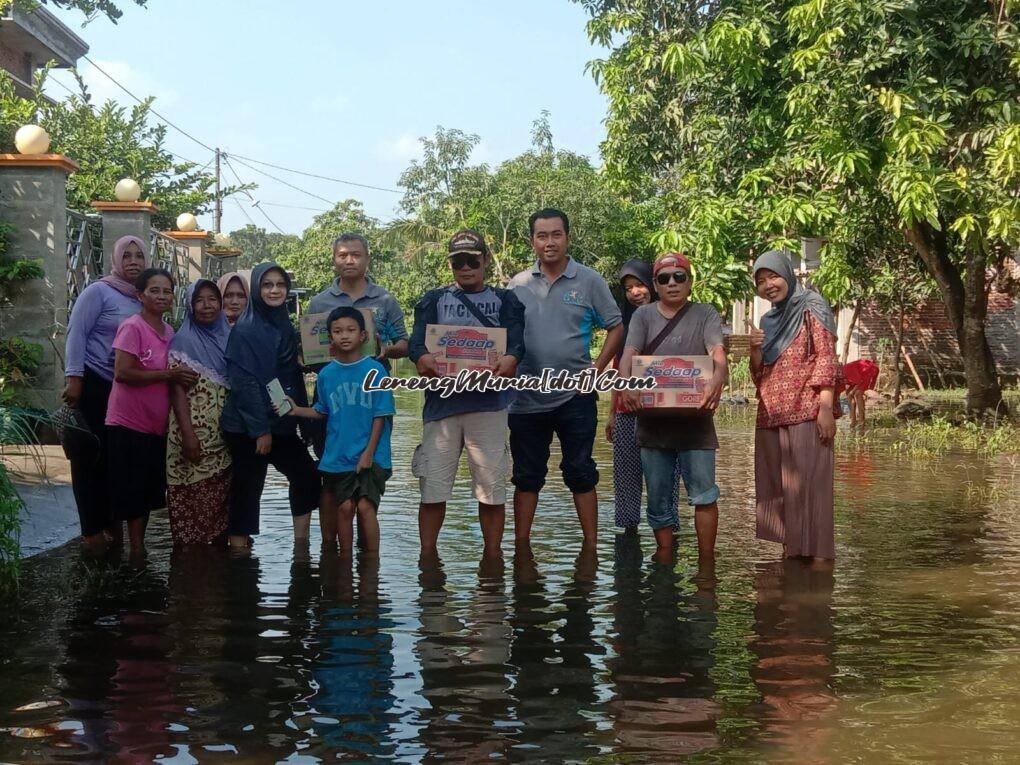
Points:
345	88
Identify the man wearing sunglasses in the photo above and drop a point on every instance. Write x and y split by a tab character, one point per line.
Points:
564	302
694	329
470	421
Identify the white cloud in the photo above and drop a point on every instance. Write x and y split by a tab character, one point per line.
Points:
402	149
102	89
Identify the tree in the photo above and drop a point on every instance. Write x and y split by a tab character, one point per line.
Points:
257	245
765	121
91	8
109	142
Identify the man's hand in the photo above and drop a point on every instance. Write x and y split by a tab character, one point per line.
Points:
505	367
630	400
192	448
364	462
713	392
427	366
826	425
383	348
72	390
264	444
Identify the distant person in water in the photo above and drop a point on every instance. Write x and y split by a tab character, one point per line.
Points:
356	462
234	289
136	420
263	347
861	376
794	366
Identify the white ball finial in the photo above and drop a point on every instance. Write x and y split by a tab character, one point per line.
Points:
187	222
221	240
31	139
127	190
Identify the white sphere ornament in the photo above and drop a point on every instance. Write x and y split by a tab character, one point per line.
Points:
221	240
32	139
187	222
127	190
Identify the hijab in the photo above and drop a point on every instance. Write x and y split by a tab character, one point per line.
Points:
203	347
224	281
642	271
116	278
263	339
783	322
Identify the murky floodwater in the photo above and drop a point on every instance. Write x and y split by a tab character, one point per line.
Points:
910	652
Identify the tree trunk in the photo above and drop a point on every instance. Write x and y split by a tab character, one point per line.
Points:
850	330
966	303
897	353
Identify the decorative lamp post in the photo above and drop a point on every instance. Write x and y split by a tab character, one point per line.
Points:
31	139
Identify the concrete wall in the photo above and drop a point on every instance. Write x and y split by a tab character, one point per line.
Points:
33	200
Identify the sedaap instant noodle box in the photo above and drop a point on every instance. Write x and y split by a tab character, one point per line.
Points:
680	382
457	348
315	337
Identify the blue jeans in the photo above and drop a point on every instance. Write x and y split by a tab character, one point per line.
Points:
574	423
697	468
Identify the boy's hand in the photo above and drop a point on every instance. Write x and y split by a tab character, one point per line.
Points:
365	462
505	367
290	401
427	366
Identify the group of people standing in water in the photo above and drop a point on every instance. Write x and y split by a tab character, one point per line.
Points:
185	420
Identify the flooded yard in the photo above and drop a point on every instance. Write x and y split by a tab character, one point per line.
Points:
908	652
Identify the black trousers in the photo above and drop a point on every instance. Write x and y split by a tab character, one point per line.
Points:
290	456
89	474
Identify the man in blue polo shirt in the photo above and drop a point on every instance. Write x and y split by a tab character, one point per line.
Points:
563	301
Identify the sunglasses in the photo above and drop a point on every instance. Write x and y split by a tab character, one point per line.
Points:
460	259
678	276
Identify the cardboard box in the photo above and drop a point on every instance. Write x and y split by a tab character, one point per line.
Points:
457	348
315	337
680	382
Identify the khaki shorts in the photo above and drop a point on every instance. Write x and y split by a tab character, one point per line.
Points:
483	436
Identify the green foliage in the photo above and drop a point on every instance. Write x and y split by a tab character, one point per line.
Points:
91	8
258	246
19	362
940	435
109	142
854	120
10	529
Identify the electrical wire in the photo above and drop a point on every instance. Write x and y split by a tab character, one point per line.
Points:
240	157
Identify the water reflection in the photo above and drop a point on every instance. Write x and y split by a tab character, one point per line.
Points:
794	668
664	646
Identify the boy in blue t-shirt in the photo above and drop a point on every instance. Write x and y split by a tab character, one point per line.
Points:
356	462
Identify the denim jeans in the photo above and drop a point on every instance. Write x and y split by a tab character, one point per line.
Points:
697	468
574	423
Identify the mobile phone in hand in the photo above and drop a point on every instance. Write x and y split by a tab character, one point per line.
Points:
279	399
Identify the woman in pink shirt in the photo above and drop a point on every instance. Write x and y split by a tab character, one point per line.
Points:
139	407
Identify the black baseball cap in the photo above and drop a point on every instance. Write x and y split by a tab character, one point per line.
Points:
468	240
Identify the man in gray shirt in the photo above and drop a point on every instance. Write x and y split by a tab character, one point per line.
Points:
353	288
563	302
686	442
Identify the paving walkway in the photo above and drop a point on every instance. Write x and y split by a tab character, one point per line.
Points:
42	477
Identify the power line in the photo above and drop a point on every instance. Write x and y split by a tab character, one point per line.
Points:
294	207
180	130
316	175
254	201
285	183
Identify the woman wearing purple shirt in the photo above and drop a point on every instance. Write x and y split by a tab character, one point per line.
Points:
88	370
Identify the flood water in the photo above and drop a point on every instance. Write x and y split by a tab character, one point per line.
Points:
908	652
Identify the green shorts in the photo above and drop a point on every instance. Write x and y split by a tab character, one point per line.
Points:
370	484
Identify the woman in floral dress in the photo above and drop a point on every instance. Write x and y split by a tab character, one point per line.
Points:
198	461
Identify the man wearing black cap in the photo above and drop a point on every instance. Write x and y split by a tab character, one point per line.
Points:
471	421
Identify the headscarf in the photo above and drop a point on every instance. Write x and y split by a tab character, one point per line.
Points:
642	271
224	281
783	322
263	339
116	278
203	347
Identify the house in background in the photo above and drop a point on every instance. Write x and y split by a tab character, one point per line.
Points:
29	39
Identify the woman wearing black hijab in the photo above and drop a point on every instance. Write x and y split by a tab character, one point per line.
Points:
635	279
262	347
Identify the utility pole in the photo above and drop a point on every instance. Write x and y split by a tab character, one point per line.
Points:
219	202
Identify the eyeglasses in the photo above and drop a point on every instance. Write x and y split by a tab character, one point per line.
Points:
460	259
678	276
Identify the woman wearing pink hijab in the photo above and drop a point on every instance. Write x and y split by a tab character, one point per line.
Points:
234	289
88	369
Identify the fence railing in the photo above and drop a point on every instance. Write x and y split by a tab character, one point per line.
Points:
168	253
84	253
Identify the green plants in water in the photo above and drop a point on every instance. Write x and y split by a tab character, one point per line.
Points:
10	533
942	435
